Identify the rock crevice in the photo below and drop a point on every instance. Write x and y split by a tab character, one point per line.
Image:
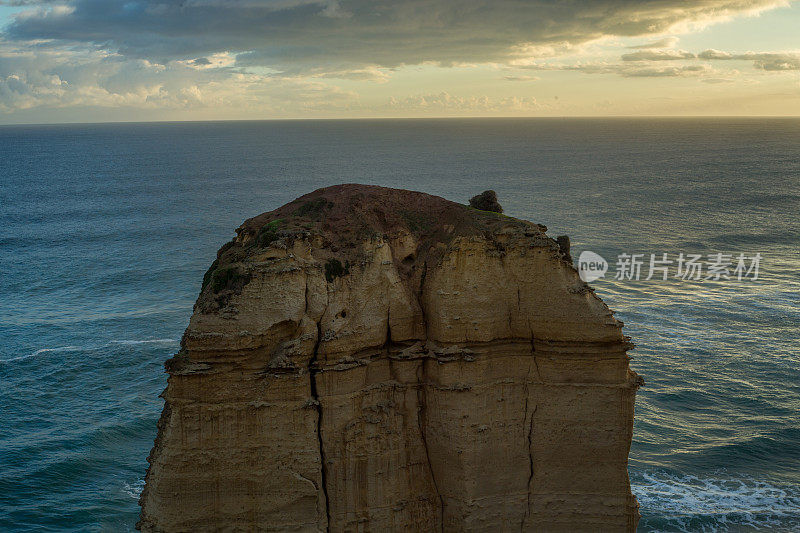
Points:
315	399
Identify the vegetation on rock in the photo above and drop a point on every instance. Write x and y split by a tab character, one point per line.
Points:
227	277
269	233
313	208
209	273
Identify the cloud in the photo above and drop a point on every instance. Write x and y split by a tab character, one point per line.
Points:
714	54
299	34
369	73
718	80
689	70
284	56
444	102
658	55
639	64
639	71
57	78
521	78
774	61
761	60
23	3
667	42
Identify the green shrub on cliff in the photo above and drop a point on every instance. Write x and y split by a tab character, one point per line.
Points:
225	278
209	273
269	233
416	221
313	208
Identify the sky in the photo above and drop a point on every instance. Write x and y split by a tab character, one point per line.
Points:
142	60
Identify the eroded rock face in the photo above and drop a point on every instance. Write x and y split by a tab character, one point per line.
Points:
370	359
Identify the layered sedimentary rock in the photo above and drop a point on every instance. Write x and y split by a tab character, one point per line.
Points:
371	359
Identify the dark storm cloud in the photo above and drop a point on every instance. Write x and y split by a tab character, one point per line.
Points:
303	34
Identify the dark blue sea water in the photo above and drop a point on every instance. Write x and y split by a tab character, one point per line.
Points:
106	231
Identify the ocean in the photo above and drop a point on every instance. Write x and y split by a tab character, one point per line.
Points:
106	231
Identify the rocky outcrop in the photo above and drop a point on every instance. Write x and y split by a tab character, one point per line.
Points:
371	359
486	201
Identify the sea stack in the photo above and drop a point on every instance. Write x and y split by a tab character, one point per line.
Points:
373	359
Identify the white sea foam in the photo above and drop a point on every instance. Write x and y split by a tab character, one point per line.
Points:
39	352
134	490
145	341
88	348
690	503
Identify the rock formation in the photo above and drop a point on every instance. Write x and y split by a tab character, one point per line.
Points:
486	201
563	245
371	359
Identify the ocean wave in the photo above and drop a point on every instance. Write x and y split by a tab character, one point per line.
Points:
39	317
145	341
39	352
671	502
89	348
134	490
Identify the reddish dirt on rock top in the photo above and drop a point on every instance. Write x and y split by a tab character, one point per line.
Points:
350	211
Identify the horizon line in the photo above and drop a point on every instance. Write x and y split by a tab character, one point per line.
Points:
364	119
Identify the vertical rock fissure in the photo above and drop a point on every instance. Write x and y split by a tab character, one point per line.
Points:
530	462
421	411
422	383
419	297
312	373
529	421
388	339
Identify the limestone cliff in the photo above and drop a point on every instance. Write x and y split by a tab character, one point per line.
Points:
371	359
